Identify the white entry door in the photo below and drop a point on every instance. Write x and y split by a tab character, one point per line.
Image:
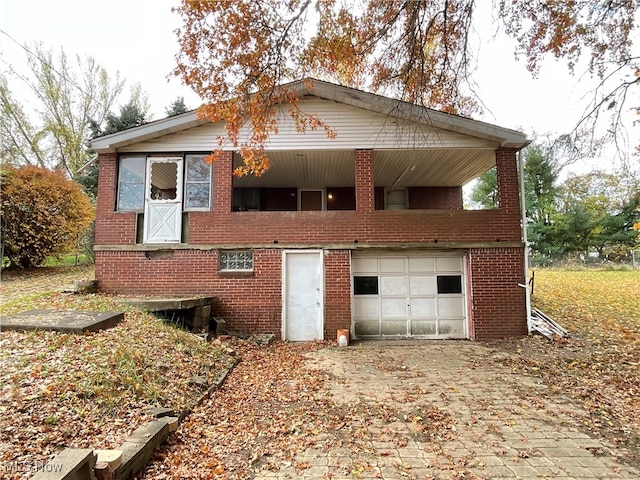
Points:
163	200
302	295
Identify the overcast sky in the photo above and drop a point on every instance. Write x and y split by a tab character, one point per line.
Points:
136	38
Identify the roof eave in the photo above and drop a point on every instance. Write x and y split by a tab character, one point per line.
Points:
110	143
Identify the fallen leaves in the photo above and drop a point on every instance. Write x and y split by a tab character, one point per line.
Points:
274	407
92	390
598	365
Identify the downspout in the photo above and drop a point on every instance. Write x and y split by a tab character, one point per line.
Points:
523	211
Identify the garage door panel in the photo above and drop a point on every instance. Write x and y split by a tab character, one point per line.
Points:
364	328
421	327
391	327
393	307
393	285
423	308
448	264
364	265
366	307
422	285
392	265
451	328
452	307
421	265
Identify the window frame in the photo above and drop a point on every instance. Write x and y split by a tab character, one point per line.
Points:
185	208
391	203
223	265
119	183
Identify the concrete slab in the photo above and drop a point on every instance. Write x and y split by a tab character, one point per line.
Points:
61	321
160	304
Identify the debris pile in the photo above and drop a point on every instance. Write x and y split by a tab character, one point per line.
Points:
546	326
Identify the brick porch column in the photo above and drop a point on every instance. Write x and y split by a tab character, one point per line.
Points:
223	184
508	183
364	181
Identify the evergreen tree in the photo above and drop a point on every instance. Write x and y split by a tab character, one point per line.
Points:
177	107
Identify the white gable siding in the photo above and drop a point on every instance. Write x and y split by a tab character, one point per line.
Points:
354	127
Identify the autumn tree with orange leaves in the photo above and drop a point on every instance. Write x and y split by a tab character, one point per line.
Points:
238	54
43	214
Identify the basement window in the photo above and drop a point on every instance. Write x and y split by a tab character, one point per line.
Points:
236	261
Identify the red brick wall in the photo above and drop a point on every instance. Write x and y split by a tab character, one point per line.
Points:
346	226
249	303
337	274
253	303
112	228
364	181
364	224
508	184
222	226
223	184
446	198
497	302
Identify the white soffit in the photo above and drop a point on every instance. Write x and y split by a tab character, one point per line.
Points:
393	168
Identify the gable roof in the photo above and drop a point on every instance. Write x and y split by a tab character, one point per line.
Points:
349	96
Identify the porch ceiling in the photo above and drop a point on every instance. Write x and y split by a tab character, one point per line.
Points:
392	168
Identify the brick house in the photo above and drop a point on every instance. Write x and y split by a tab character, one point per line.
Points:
365	231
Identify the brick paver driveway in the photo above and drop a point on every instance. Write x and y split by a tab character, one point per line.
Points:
465	416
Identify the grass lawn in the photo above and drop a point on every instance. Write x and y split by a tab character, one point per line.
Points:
599	365
88	391
600	305
69	261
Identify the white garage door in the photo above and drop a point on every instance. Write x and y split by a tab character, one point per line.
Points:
408	296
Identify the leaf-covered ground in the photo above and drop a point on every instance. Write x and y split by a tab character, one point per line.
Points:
274	407
63	390
599	364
